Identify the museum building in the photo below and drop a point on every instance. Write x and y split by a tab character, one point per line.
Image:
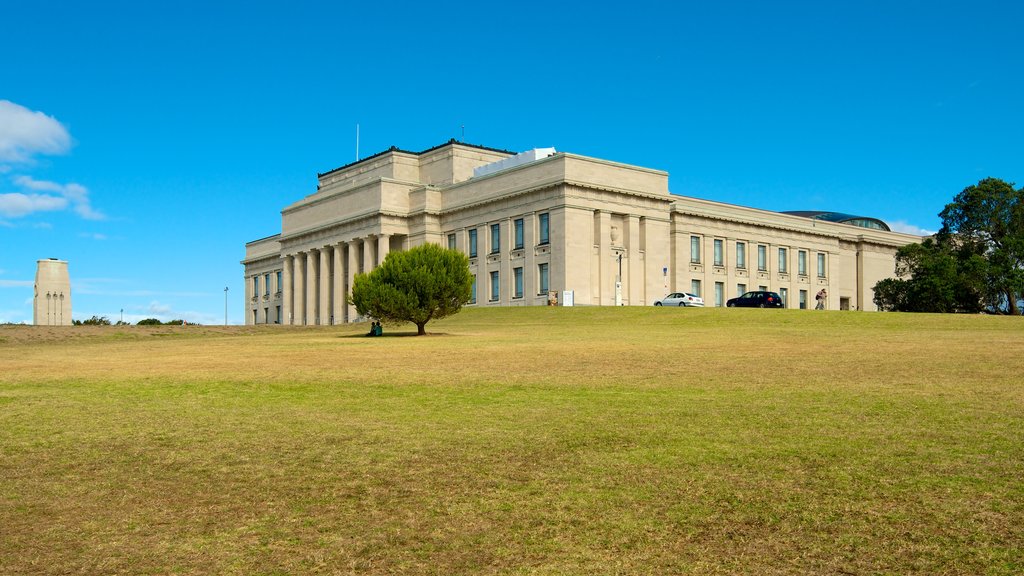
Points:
546	225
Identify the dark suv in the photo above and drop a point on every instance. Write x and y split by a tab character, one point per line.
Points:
757	299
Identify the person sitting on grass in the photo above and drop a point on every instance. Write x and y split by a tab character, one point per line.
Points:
373	329
377	330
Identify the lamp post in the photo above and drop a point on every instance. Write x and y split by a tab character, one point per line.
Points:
225	305
618	282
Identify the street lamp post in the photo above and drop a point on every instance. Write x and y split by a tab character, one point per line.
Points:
225	305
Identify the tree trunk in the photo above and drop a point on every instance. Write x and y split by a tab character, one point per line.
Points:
419	329
1012	301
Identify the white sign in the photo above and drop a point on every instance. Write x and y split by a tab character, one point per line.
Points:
567	298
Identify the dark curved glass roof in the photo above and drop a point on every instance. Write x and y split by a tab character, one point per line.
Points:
862	221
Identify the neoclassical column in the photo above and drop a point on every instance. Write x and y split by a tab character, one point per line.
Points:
368	254
634	269
383	247
311	285
286	289
353	267
248	303
325	286
338	294
300	289
607	264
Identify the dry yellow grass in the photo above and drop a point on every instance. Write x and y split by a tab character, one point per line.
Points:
514	441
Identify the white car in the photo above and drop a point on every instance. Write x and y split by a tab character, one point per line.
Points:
680	299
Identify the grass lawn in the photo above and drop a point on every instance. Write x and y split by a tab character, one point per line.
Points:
519	441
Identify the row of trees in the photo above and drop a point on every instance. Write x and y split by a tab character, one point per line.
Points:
104	321
974	263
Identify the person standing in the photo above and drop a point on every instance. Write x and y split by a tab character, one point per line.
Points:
820	297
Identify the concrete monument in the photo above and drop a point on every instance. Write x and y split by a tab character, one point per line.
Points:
52	304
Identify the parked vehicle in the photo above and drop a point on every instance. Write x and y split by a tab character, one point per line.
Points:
757	299
680	299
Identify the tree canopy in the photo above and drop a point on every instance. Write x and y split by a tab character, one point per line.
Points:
974	263
987	219
932	278
417	285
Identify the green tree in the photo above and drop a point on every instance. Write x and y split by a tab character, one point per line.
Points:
148	322
930	281
985	222
97	321
418	285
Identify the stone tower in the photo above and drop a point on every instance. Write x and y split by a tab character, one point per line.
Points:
52	304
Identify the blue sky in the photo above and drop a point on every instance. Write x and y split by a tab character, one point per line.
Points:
146	142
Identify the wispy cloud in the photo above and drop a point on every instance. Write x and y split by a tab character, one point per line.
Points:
16	204
158	308
93	236
114	287
907	228
26	133
16	283
43	195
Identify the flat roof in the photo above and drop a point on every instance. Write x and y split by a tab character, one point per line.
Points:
397	149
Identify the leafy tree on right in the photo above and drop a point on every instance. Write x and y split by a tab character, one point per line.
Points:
975	262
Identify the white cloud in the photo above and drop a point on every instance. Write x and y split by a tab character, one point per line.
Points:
16	204
907	228
93	236
16	283
25	133
158	308
35	199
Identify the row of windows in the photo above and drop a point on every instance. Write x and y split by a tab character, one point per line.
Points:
762	257
741	289
266	316
266	284
517	283
518	225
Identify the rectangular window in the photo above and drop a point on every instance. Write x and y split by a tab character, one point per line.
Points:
741	255
542	276
517	273
719	293
719	256
472	243
495	238
519	234
762	257
451	241
784	292
803	299
266	283
279	289
255	286
543	220
472	295
695	287
801	262
495	287
695	249
762	288
277	320
783	257
741	289
821	265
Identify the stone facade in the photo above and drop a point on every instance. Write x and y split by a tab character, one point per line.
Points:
560	222
51	305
